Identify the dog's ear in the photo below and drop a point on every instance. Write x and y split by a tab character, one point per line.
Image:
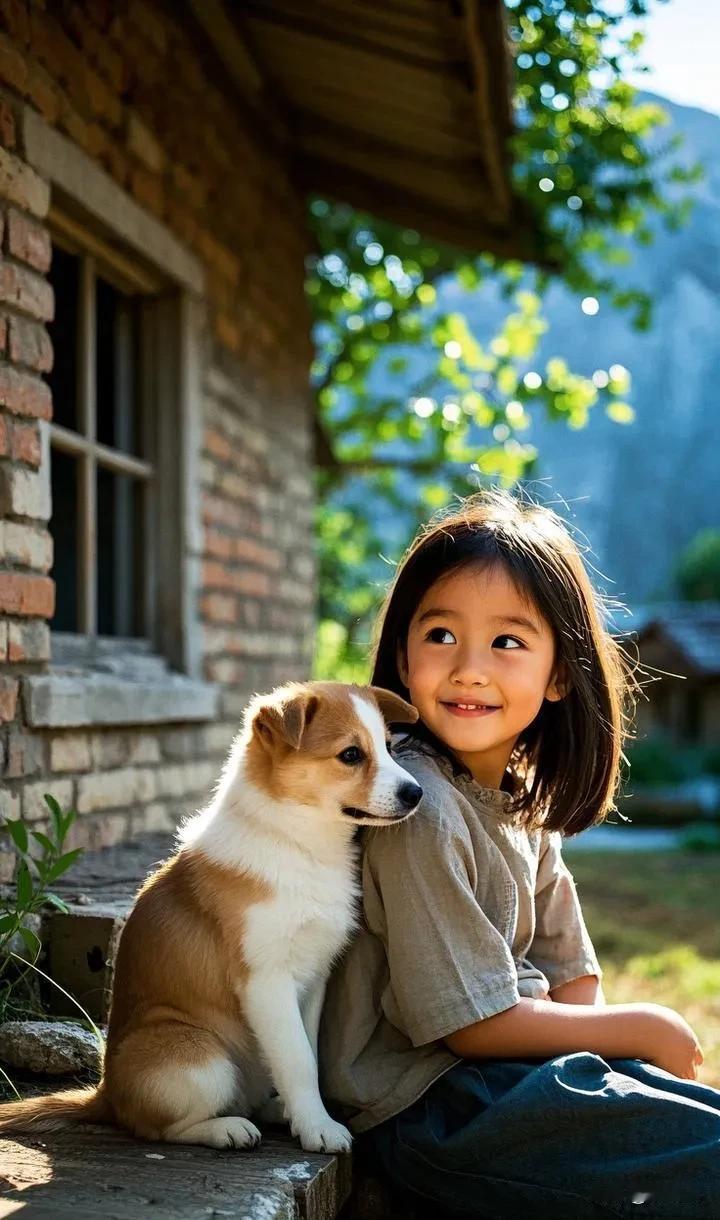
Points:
394	709
285	721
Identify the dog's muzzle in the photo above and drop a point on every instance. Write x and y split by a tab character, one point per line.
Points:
407	797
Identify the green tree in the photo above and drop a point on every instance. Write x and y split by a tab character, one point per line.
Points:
698	573
592	185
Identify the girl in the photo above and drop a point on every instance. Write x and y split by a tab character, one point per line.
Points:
465	1033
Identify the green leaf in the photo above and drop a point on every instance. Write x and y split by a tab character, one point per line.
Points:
7	922
24	885
18	833
43	840
32	942
62	864
55	811
54	901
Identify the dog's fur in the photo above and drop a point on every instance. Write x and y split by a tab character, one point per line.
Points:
221	968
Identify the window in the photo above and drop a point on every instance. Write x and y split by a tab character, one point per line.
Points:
125	443
101	444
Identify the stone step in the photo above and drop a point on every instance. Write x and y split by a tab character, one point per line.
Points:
90	1172
80	950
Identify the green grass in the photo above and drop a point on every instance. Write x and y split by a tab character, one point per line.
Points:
655	921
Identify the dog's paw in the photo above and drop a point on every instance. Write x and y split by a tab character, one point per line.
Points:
236	1133
274	1111
321	1134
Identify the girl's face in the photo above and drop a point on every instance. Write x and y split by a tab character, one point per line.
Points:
480	661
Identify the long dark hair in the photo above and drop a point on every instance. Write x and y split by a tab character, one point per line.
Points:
566	763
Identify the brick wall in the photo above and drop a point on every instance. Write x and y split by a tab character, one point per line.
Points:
131	85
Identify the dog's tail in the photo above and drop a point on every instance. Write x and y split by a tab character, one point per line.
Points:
55	1111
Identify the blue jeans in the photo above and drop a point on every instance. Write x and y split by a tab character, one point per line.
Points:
573	1138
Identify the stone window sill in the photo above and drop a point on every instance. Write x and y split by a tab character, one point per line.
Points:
115	689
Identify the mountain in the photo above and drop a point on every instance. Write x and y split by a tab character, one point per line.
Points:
640	492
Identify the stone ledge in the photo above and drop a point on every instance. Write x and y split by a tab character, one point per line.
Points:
71	699
49	1177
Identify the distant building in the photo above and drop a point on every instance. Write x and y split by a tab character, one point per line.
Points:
681	639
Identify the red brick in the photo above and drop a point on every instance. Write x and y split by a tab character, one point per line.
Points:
103	101
24	755
21	185
148	190
218	445
13	67
30	345
27	291
15	20
8	698
28	241
7	126
217	608
24	394
26	444
51	45
28	640
43	93
28	595
255	552
257	584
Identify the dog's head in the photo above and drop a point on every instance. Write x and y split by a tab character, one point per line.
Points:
325	745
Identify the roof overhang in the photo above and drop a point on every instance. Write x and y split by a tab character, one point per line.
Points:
398	107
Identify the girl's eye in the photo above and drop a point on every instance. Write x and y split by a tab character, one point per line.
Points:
436	634
352	756
506	642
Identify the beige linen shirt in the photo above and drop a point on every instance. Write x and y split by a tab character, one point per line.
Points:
464	912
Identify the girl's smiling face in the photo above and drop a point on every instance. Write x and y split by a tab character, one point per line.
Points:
479	662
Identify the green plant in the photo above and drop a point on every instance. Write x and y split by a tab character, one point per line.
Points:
657	762
35	872
701	838
41	859
698	571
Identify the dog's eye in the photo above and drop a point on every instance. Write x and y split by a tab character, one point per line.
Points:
352	756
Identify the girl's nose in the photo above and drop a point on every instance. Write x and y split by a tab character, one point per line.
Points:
471	671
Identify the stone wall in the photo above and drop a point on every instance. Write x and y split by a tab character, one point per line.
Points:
133	86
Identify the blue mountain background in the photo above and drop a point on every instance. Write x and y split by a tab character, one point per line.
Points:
638	492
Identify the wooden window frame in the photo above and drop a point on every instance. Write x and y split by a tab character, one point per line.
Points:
95	260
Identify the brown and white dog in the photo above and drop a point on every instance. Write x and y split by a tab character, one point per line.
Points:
222	965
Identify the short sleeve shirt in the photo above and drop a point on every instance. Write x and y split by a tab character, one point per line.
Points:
463	912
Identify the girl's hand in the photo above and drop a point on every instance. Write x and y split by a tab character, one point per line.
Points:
671	1043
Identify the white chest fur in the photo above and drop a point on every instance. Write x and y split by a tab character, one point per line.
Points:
307	869
305	924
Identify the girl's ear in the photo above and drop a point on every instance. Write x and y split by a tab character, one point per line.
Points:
401	658
558	686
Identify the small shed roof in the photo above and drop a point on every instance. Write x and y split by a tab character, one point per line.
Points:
690	629
399	107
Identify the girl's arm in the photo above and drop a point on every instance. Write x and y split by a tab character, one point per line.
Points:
585	990
542	1029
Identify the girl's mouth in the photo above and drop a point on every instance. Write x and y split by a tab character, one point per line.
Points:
470	709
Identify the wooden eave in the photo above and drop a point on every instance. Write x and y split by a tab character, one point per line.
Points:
398	107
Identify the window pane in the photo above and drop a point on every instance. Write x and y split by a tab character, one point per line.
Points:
64	529
120	554
117	369
65	279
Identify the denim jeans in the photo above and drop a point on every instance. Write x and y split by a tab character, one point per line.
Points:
572	1138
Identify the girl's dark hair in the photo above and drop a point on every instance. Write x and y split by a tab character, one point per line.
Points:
566	763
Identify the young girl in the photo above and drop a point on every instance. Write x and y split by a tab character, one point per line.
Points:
465	1030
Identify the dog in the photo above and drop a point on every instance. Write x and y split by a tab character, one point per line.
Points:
222	964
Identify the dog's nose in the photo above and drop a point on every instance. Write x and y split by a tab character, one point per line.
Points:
409	794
